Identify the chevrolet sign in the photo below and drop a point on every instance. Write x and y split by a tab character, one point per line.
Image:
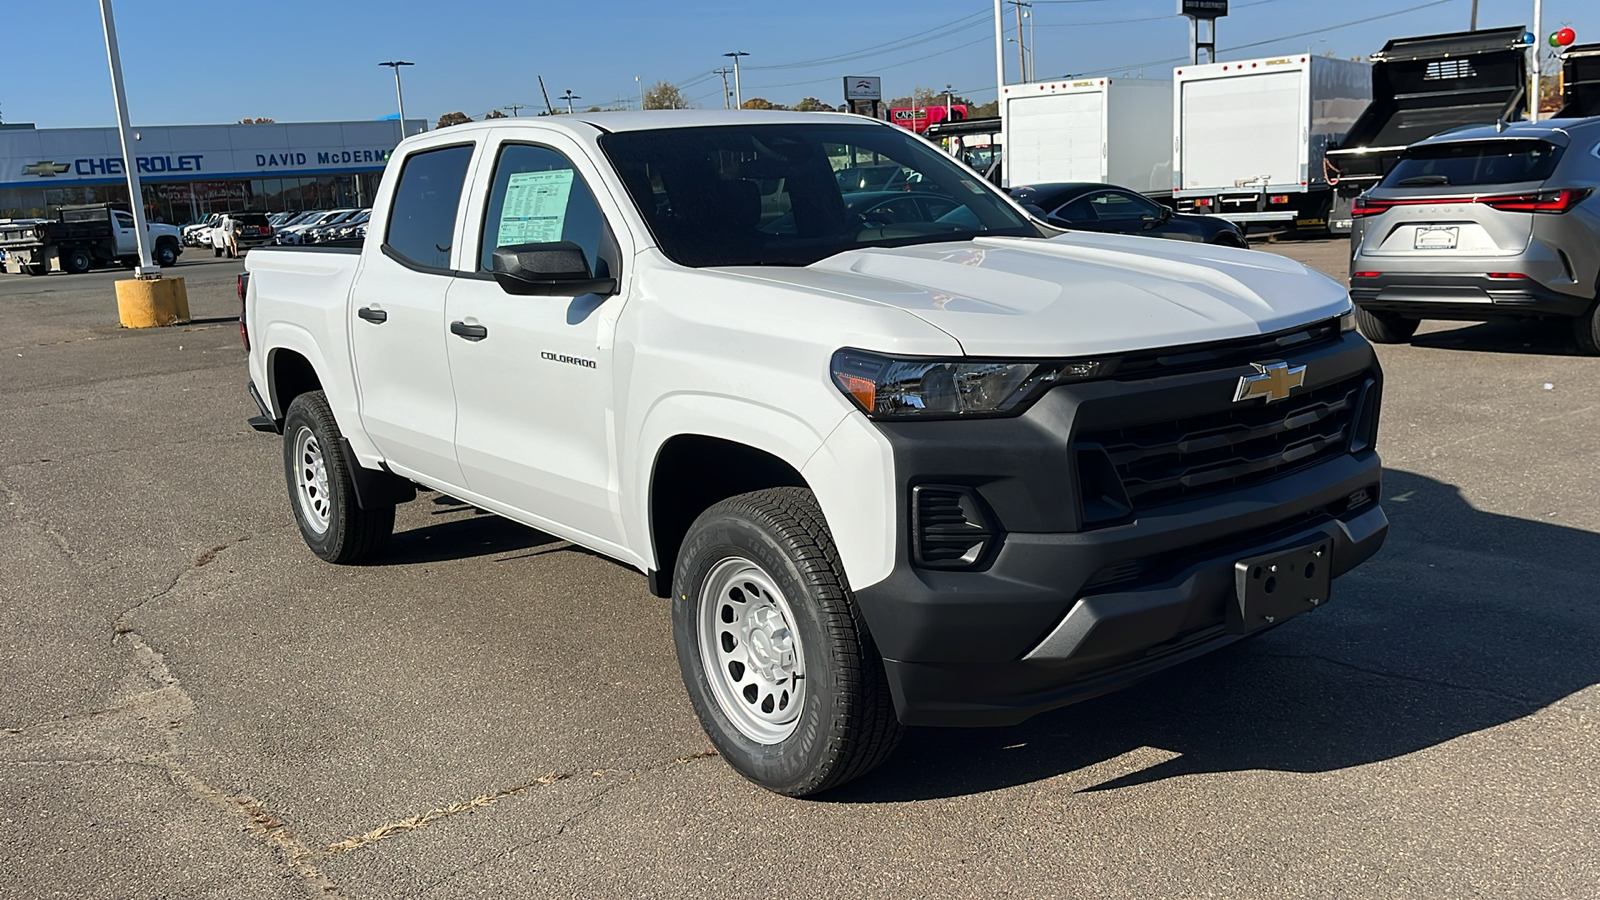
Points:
1272	380
46	168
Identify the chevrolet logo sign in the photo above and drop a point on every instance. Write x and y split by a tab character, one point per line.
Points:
1273	380
45	169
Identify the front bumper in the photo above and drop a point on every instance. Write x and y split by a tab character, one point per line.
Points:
1062	609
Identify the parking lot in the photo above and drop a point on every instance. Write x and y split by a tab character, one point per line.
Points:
195	706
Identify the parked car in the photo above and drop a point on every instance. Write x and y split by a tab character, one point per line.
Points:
1483	223
293	234
199	233
1088	206
955	472
326	231
82	237
882	209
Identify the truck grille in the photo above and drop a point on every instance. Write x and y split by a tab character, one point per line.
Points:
1213	452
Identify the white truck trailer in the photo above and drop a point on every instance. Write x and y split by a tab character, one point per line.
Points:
1249	136
1107	130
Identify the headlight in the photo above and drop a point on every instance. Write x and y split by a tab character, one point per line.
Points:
922	387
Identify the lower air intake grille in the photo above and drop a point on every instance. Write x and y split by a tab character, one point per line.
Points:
949	527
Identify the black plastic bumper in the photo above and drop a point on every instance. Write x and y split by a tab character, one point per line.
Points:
1463	297
1063	610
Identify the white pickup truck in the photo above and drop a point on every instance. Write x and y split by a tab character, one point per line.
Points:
894	463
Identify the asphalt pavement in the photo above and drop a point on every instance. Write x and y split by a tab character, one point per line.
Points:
194	706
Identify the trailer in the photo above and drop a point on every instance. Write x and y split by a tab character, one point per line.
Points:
1580	82
1249	136
1107	130
1422	86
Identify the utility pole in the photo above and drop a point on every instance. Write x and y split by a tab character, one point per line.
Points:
1022	49
146	270
514	107
1533	99
547	103
727	103
738	92
1475	15
569	96
395	65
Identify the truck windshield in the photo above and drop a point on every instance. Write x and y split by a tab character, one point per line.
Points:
793	194
1475	163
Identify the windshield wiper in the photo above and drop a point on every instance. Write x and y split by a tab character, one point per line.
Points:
1423	179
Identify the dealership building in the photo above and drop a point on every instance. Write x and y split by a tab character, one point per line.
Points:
189	171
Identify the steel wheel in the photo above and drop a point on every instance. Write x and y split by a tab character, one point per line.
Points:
751	652
311	481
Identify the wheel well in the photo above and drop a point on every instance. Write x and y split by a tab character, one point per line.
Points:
694	471
290	376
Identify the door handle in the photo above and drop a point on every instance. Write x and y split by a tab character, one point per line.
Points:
470	332
375	316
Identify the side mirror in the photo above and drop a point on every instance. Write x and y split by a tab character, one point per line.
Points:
555	269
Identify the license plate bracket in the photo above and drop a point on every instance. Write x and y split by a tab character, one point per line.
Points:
1275	586
1436	237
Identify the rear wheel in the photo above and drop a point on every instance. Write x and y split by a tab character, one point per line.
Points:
321	490
775	654
1586	328
1385	328
76	260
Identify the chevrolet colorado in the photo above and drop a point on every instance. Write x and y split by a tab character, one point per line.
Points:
932	463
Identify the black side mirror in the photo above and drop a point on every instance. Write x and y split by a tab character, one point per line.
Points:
555	269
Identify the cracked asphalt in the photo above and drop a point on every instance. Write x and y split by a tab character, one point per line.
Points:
191	705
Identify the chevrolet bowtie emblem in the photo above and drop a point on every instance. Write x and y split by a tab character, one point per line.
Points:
45	169
1273	381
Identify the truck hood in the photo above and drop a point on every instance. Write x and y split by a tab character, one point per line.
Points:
1077	294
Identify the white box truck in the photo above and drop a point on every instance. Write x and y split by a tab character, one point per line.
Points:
1249	136
1107	130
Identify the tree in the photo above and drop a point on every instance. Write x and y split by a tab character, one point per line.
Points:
496	114
593	109
665	95
812	104
759	103
249	121
453	118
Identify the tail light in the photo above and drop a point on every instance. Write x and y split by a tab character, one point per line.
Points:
1542	202
1506	275
243	290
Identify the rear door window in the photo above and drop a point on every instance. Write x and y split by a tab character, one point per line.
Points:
422	219
1474	163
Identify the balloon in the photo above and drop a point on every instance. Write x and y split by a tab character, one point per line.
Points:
1555	38
1527	38
1566	36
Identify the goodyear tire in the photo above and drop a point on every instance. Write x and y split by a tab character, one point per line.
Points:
321	490
775	655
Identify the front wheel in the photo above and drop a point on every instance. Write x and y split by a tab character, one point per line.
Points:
321	490
775	654
1385	328
166	254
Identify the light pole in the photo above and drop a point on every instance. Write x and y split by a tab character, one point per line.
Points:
947	91
146	270
1533	101
569	96
1033	59
641	90
738	94
395	64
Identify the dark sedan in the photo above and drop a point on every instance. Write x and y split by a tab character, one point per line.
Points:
1084	206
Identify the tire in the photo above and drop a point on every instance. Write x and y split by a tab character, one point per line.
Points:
321	493
166	254
1385	328
76	261
215	252
1586	328
35	269
794	697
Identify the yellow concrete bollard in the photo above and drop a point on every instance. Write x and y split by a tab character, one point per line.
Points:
150	303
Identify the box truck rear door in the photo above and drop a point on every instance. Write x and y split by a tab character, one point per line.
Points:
1239	129
1055	137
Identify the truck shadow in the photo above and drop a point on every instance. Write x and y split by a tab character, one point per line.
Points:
1464	621
1525	337
482	534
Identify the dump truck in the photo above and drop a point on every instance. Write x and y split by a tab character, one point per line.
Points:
1422	86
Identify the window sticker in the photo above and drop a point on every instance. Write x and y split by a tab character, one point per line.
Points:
535	211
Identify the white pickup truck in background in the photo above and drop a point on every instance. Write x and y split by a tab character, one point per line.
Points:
916	459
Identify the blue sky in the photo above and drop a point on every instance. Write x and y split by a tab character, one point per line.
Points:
208	61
